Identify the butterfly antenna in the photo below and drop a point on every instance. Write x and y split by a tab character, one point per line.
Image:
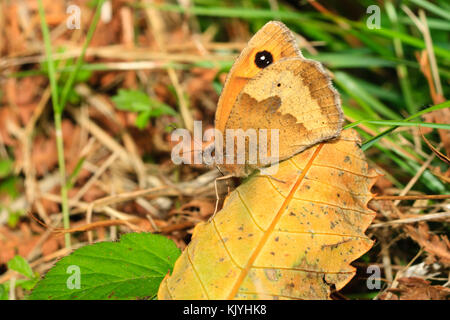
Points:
218	169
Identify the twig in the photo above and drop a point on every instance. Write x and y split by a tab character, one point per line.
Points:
94	178
157	26
399	273
425	217
12	288
386	259
418	197
120	52
421	24
416	177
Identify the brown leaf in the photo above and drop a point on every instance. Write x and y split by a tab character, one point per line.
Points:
201	208
201	82
15	39
93	193
437	116
444	176
72	144
416	289
437	247
7	115
44	156
22	242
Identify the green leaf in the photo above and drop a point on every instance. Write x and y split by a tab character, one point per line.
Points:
161	109
21	265
3	292
13	218
22	283
129	269
5	167
137	101
83	75
10	186
132	100
142	119
27	284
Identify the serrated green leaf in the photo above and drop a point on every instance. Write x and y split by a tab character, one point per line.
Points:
20	265
129	269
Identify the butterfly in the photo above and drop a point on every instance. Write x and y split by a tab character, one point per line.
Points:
271	88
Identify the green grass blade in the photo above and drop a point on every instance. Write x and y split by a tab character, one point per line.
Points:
367	144
225	12
402	71
69	83
431	7
371	104
58	122
352	60
50	61
401	124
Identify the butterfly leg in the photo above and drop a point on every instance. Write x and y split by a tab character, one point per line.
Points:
217	193
271	177
276	179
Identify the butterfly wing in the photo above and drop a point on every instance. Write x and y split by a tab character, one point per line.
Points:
295	98
275	38
272	86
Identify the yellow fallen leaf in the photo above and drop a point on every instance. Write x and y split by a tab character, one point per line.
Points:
289	236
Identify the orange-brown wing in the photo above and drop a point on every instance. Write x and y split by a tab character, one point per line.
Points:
274	38
295	96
